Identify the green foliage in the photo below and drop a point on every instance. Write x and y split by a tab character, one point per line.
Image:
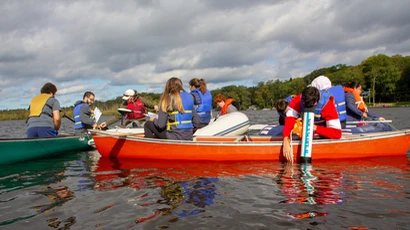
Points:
390	76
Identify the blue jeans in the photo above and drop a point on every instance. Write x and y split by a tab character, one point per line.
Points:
41	132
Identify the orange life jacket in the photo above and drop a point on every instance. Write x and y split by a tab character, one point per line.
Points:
224	109
359	100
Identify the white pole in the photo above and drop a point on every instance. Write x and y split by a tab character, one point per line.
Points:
307	137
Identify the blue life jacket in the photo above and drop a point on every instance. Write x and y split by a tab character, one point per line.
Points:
182	120
324	98
78	124
205	106
339	95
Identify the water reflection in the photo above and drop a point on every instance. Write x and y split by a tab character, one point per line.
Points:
192	188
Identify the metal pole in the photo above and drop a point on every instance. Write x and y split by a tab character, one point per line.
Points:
374	92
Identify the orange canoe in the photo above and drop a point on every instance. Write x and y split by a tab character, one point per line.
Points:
249	148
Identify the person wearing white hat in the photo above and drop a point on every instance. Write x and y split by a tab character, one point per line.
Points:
323	83
133	109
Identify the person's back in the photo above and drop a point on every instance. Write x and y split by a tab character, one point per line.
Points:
44	118
202	100
177	116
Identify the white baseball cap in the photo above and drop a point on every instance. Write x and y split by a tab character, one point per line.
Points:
128	93
321	83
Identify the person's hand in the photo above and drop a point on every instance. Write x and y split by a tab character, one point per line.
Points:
102	125
381	119
156	108
287	150
365	115
95	126
152	119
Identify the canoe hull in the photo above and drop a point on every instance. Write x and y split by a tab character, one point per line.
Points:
253	148
17	150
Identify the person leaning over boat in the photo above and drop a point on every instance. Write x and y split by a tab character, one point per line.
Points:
177	116
327	123
225	104
357	110
202	100
137	105
83	116
281	106
323	83
44	119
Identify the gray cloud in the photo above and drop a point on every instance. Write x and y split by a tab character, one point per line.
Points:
141	43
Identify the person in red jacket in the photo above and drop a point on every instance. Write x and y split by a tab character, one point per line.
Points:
327	123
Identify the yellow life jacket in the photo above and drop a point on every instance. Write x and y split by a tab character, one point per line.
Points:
37	104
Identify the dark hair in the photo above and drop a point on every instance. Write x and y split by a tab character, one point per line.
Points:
281	105
49	88
354	84
310	96
88	94
199	84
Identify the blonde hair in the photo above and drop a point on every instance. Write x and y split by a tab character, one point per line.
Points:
171	97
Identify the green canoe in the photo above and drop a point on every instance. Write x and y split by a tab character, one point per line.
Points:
23	149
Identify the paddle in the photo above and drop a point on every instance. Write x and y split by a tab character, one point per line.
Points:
69	118
370	121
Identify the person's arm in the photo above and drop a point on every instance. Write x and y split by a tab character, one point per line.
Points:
195	119
197	98
333	129
162	120
351	105
56	115
85	116
57	119
231	108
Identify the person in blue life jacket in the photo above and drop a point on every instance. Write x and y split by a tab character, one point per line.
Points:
177	116
83	116
323	83
357	111
202	101
44	119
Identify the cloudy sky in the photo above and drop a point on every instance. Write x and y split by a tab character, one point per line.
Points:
110	46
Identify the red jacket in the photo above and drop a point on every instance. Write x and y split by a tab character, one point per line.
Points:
332	130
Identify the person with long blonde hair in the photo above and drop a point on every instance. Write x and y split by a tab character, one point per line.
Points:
202	100
177	116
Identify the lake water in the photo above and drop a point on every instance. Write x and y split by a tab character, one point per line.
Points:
83	191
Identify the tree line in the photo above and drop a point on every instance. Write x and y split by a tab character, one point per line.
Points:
388	79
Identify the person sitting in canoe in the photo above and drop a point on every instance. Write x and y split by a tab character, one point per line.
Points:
202	100
357	110
177	116
323	83
83	116
44	119
225	104
133	108
327	123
